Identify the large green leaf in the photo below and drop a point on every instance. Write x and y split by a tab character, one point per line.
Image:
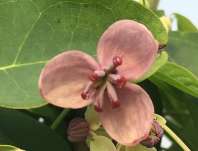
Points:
29	134
183	49
181	113
184	24
33	31
178	77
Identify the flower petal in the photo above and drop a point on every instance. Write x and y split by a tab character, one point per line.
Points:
133	42
65	76
131	122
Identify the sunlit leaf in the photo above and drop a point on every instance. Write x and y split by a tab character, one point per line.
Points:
92	117
101	143
179	77
184	24
166	21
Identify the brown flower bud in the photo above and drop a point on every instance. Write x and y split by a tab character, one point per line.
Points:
155	135
78	130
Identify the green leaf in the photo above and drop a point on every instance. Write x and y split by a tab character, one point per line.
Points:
140	148
166	21
180	110
93	118
9	148
101	143
182	49
29	134
50	27
178	77
161	59
184	24
160	12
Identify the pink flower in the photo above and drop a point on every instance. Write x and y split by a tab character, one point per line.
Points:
74	79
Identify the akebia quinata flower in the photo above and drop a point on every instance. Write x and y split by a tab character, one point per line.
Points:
125	52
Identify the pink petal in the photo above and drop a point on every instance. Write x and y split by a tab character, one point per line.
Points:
133	42
64	78
130	123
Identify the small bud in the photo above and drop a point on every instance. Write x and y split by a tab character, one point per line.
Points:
78	130
117	61
154	137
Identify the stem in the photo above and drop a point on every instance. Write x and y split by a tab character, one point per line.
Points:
176	138
59	119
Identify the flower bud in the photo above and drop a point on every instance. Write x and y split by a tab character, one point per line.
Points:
154	137
78	130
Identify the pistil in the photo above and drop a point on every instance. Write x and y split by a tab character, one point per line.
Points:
117	80
112	94
99	98
88	91
104	80
97	74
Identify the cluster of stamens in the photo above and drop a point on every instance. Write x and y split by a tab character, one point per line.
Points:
155	135
104	81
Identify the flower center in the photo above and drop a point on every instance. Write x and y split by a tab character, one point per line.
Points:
105	81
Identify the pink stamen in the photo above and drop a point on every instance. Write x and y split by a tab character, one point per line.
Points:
99	99
115	104
85	95
112	96
97	108
121	82
96	75
88	91
117	61
118	80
